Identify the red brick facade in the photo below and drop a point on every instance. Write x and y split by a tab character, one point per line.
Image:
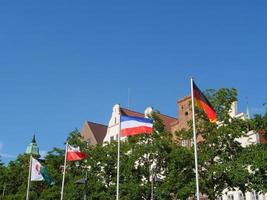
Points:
262	137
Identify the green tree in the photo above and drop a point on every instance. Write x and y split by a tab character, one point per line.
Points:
2	178
154	162
218	149
255	157
155	157
17	177
259	123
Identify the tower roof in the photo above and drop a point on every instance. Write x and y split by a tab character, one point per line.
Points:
33	139
33	148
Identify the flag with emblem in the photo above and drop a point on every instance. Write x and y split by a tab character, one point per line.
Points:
39	173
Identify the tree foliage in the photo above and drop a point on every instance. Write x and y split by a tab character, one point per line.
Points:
154	163
221	157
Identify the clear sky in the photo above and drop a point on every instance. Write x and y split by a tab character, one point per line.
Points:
65	62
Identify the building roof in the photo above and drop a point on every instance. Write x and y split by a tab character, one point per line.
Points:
99	131
167	120
184	98
125	111
33	139
33	148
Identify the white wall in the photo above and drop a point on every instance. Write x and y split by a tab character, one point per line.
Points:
250	138
113	125
237	195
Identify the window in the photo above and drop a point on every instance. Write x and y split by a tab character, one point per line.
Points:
254	196
111	138
184	143
241	196
230	197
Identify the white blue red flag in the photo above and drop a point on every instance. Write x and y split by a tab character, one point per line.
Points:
135	125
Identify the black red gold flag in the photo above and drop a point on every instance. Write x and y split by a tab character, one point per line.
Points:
203	103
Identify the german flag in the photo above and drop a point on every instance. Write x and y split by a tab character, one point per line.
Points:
202	102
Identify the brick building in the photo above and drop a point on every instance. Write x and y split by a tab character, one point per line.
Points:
93	133
113	125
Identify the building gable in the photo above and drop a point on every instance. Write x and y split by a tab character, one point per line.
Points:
93	133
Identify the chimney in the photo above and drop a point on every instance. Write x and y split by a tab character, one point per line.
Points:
233	109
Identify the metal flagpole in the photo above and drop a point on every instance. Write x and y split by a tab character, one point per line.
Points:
152	185
29	178
118	163
64	172
4	190
85	186
150	142
195	139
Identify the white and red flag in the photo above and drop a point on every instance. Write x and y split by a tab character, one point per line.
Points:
74	153
71	154
135	125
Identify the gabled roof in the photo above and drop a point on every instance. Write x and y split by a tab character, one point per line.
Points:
125	111
99	131
184	99
167	120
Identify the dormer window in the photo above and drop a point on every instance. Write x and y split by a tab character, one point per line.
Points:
184	143
230	197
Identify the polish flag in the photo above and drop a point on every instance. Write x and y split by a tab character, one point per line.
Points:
135	125
74	153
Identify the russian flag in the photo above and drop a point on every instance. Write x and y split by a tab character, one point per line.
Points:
135	125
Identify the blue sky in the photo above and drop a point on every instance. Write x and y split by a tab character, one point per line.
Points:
65	62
